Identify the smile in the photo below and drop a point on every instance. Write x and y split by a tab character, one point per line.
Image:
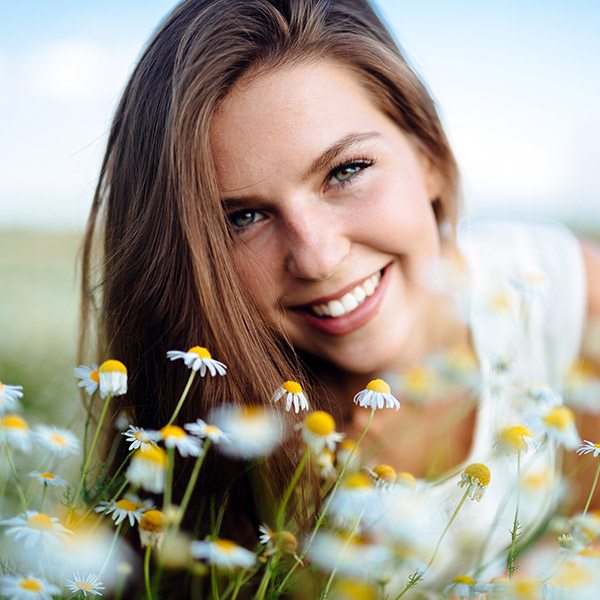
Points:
349	311
349	302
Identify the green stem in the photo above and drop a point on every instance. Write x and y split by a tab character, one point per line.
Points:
182	399
264	582
15	475
169	478
43	496
192	482
112	548
587	504
87	422
213	582
288	492
326	506
515	529
91	450
147	572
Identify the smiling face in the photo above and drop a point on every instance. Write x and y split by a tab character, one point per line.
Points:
330	205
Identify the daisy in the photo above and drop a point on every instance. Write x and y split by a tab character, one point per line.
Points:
175	437
588	447
9	397
284	540
293	394
406	480
355	500
88	378
559	425
124	419
112	376
463	587
376	395
515	439
199	359
543	395
318	431
223	553
139	438
203	430
383	475
344	454
253	430
86	585
147	469
48	478
17	587
61	442
16	432
325	461
34	528
477	477
151	529
130	507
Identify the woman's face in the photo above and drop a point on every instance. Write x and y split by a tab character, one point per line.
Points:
330	206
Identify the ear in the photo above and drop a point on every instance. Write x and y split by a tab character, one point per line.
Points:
431	176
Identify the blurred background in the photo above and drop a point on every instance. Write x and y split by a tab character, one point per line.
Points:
517	85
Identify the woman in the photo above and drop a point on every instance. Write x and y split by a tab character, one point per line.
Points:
276	183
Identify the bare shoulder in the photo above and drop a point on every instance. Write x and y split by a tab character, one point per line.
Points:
591	258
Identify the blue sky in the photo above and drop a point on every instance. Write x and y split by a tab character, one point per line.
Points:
517	84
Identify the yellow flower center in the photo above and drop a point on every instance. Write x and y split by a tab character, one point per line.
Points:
212	430
500	302
200	351
127	505
152	454
40	521
356	481
1	386
596	445
464	579
480	472
572	575
559	418
526	589
418	379
112	366
84	586
47	476
94	376
512	438
406	480
226	546
590	553
152	520
385	473
320	423
172	431
379	386
58	439
292	387
31	585
14	422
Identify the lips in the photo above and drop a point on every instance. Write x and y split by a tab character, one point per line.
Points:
350	310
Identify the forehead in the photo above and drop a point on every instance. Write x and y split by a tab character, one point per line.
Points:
283	117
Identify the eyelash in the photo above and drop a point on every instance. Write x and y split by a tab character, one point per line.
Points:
360	163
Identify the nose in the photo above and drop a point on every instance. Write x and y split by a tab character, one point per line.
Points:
316	244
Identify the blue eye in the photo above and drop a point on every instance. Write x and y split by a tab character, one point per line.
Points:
243	218
347	171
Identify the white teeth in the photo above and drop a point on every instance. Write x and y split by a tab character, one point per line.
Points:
350	301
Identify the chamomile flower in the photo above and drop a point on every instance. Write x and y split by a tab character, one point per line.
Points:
88	377
112	376
148	468
355	500
17	587
199	359
376	395
318	431
86	585
174	436
477	478
559	425
16	431
383	475
463	587
293	394
48	478
224	554
9	397
325	461
253	430
139	438
34	528
203	430
151	529
406	480
345	456
275	540
588	447
515	439
130	507
61	442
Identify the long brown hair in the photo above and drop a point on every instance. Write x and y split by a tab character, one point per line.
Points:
166	278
